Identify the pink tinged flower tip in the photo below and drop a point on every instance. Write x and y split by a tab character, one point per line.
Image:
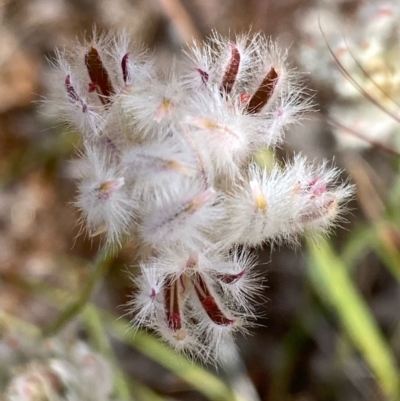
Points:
199	201
100	80
107	188
323	212
384	11
203	74
244	98
231	278
192	263
264	92
316	187
231	71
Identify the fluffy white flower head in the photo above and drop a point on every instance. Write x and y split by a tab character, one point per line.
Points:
169	164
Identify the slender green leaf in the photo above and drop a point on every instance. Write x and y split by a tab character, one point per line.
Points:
332	282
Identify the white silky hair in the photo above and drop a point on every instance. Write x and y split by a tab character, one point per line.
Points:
168	162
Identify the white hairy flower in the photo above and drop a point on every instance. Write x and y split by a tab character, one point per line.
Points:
53	371
355	54
169	163
103	197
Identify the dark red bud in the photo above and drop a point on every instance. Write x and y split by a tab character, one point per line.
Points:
231	71
208	302
124	67
172	308
264	92
100	79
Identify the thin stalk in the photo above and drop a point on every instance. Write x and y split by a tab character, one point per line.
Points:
99	270
100	341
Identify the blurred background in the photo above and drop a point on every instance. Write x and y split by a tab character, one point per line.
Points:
331	325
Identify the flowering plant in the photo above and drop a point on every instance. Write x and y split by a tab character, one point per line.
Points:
361	68
169	162
57	370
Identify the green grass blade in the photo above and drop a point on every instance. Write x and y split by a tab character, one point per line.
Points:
386	248
358	244
332	282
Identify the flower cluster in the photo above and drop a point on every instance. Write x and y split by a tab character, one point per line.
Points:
168	162
363	69
52	371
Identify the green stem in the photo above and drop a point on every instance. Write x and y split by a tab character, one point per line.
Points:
12	323
124	387
99	339
99	269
